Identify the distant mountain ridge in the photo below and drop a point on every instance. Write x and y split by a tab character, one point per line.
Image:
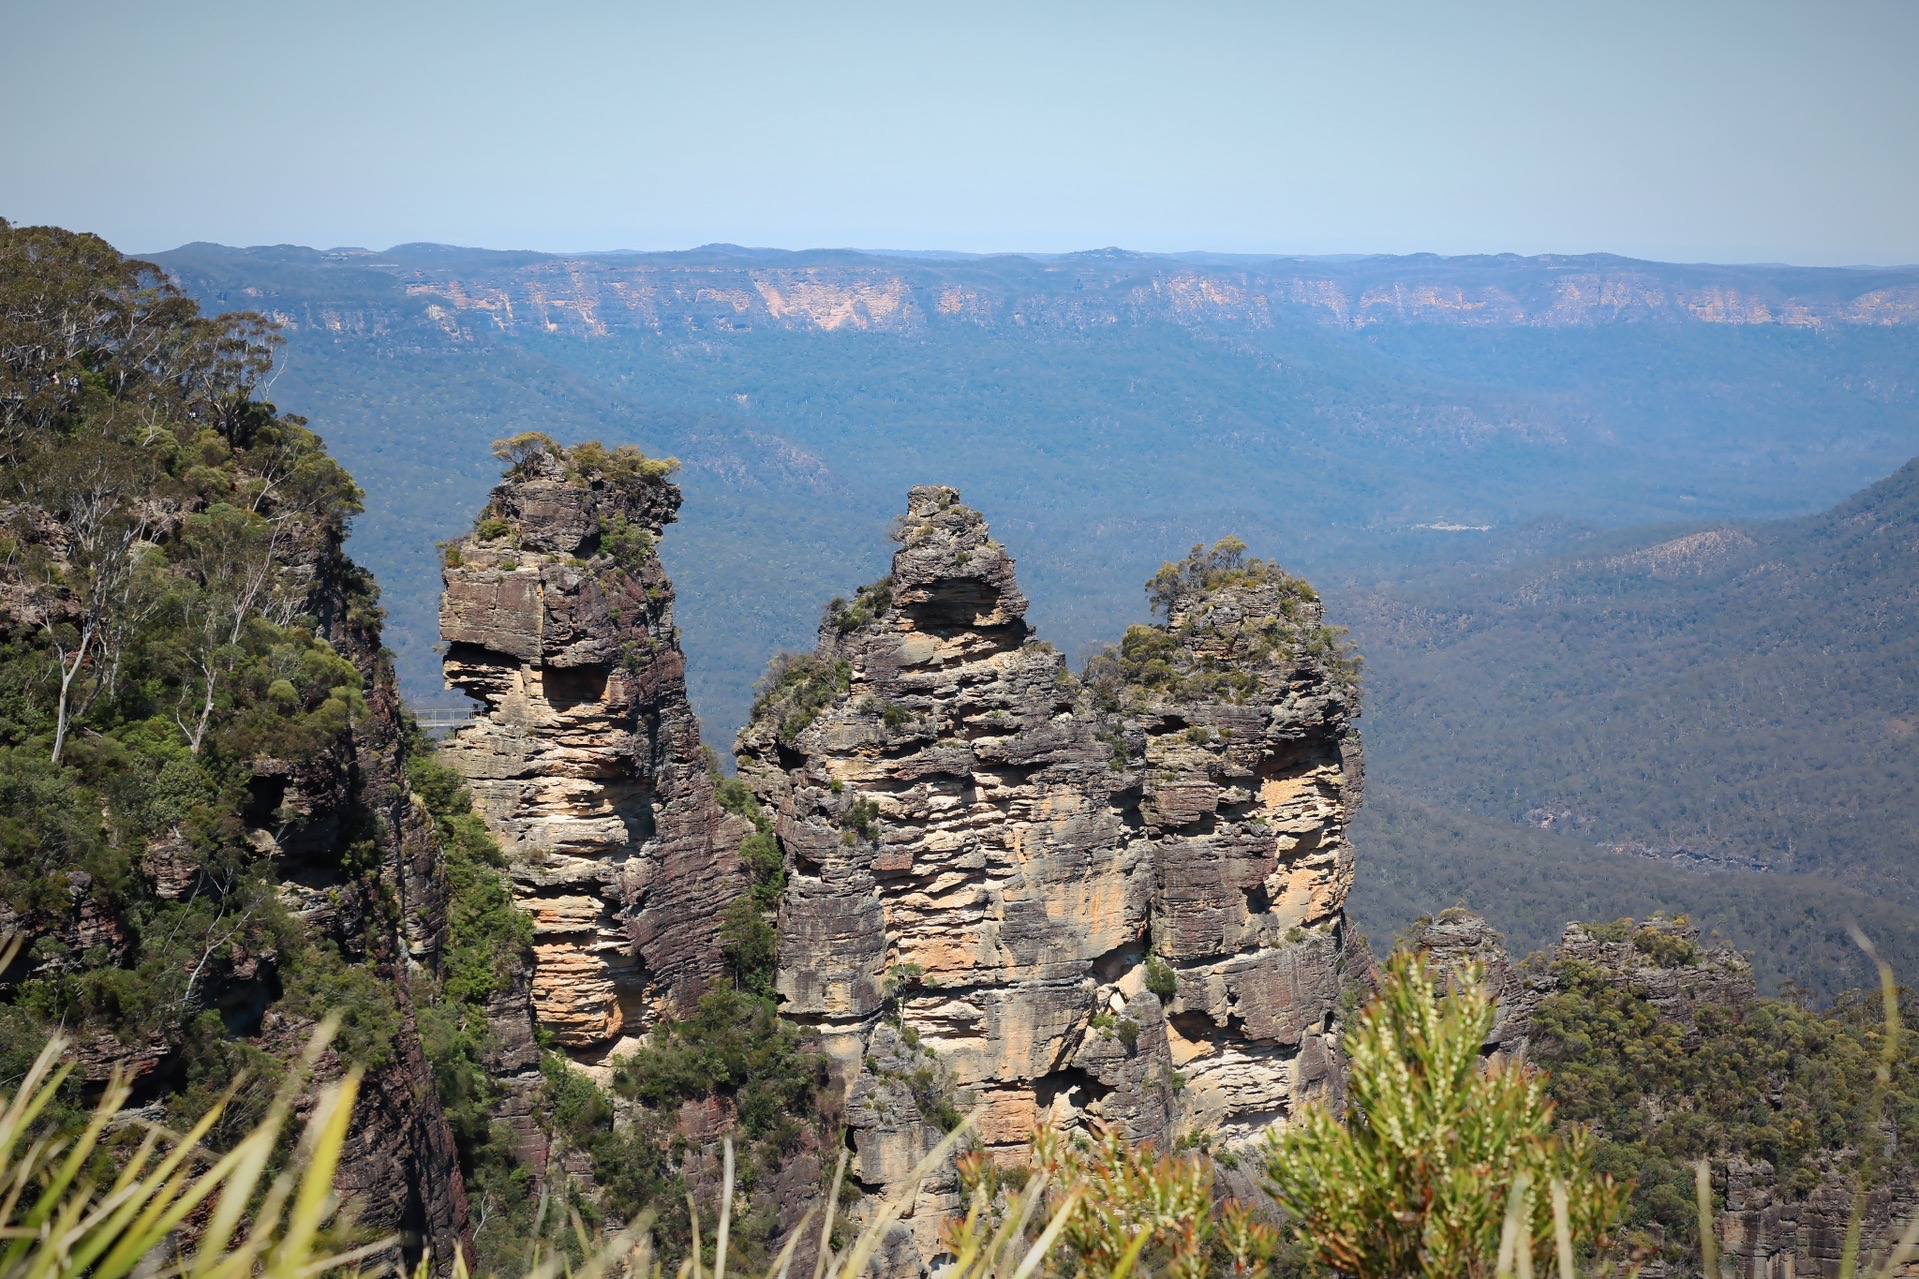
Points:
1114	410
729	288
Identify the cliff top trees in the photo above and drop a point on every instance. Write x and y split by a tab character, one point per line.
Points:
523	454
1210	570
168	580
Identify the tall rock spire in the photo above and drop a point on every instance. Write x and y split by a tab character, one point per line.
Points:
586	759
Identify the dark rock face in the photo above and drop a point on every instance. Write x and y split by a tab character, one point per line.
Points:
1766	1233
1122	903
586	760
401	1168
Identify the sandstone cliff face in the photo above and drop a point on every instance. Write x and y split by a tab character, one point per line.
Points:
597	297
586	759
1120	899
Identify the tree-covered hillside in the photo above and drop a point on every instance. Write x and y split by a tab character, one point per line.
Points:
1737	695
1418	859
166	598
208	839
1561	735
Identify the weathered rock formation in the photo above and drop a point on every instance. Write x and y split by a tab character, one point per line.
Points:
1054	899
1767	1228
1456	941
586	759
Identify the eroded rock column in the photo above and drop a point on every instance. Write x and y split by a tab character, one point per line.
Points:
586	760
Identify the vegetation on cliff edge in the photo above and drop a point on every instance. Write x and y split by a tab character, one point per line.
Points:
171	708
1738	1083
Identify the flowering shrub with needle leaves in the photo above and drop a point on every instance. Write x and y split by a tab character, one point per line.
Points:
1418	1178
1110	1205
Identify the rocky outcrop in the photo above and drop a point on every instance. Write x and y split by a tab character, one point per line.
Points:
400	1170
1768	1232
1051	899
1458	941
585	759
1768	1228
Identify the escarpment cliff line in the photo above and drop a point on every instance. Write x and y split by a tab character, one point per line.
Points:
602	296
1061	899
585	760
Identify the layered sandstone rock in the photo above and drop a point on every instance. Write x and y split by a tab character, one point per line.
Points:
1116	899
1458	942
586	760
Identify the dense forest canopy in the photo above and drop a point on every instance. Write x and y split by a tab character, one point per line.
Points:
1733	698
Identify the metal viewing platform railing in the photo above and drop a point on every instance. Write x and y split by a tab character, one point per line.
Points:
437	720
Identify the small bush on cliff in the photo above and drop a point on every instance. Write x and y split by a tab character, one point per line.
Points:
1419	1177
748	939
795	689
861	819
630	544
1204	571
750	945
868	603
1161	979
760	851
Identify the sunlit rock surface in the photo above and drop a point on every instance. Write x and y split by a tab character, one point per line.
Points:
1052	899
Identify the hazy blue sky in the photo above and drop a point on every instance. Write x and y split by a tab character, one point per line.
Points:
1687	129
